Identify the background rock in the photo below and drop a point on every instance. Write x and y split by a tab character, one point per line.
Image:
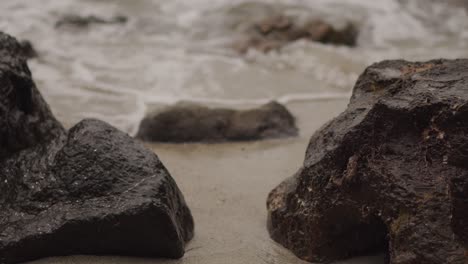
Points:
190	123
85	21
277	31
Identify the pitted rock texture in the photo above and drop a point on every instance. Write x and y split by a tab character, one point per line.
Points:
187	122
388	174
92	190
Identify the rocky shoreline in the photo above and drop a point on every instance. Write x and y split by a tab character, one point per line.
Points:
94	190
385	178
90	190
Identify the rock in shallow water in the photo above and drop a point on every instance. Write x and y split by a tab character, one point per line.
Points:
388	174
277	31
93	190
195	123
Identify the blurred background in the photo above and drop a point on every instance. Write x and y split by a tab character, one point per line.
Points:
134	56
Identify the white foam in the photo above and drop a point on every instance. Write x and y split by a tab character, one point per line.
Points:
180	50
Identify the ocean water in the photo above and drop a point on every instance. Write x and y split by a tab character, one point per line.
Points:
182	50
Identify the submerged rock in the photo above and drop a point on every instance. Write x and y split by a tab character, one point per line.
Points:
86	21
388	174
92	190
275	32
195	123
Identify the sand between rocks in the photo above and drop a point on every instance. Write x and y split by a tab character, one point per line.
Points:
226	186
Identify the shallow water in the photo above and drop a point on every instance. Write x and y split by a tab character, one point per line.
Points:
181	50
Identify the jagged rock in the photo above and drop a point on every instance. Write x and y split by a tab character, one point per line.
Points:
28	49
191	123
388	174
86	21
92	190
25	119
277	31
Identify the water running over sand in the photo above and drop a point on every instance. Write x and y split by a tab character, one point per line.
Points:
180	50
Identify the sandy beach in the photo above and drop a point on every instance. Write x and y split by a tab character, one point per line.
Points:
226	186
184	50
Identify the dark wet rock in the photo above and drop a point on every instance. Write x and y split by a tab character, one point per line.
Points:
94	192
388	174
91	190
28	49
25	118
195	123
459	193
275	32
86	21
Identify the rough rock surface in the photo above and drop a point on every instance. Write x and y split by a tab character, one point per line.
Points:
277	31
25	118
192	123
92	190
390	173
85	21
28	49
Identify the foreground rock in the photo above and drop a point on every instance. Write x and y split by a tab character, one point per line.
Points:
85	21
390	173
194	123
275	32
93	190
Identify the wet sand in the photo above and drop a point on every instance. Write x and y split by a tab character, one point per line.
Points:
226	186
